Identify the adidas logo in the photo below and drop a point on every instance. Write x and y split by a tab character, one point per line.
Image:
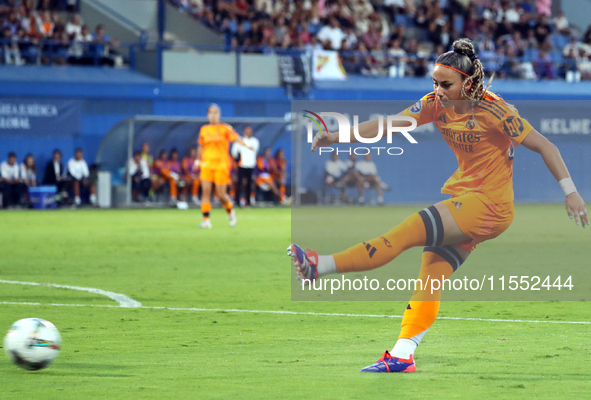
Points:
312	260
457	204
443	119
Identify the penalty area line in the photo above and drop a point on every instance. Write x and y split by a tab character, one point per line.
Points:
236	310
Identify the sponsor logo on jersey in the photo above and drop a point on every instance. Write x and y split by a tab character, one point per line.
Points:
513	126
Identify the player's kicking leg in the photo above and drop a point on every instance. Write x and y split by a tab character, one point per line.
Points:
433	227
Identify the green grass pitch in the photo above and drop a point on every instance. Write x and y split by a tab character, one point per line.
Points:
160	259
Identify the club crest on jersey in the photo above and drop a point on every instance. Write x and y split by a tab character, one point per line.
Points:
417	107
470	124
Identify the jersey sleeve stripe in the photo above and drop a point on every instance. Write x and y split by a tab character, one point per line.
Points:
495	105
480	106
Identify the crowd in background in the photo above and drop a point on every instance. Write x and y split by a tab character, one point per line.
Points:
72	182
52	32
171	179
515	38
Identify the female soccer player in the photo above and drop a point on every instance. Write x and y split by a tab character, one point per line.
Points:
482	130
214	160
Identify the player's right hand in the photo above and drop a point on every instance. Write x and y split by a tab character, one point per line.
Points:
575	207
322	140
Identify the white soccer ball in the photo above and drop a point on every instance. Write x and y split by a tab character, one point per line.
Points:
32	343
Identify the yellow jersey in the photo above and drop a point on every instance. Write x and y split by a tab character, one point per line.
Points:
215	145
484	145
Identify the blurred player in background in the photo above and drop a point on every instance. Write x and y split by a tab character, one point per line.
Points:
174	169
278	167
264	179
482	130
190	175
161	175
213	158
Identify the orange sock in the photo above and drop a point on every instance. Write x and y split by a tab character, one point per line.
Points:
423	306
383	249
228	207
282	191
205	209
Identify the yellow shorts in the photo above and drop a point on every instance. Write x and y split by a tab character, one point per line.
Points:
479	218
219	176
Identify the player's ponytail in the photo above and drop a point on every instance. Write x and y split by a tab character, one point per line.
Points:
463	59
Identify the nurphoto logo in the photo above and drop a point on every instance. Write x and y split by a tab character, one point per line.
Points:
344	128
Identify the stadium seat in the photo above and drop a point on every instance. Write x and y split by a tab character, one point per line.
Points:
459	23
556	56
400	19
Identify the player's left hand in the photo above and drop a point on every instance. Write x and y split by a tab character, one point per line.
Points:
575	207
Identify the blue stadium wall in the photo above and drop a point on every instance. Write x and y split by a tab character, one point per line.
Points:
105	97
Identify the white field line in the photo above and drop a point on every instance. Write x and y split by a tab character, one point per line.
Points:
234	310
122	299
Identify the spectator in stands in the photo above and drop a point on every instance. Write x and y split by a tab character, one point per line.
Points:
29	22
369	173
561	24
104	46
45	24
278	168
331	35
78	49
11	185
12	23
190	174
241	36
139	172
80	174
246	165
58	24
29	171
543	65
74	26
542	29
10	48
45	5
55	175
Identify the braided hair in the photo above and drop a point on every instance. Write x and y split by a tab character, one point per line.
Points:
463	58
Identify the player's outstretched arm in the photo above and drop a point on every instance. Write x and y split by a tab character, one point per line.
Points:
575	206
367	129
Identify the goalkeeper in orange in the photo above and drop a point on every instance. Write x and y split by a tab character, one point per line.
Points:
482	130
213	159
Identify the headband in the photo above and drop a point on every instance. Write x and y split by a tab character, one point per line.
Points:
457	70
